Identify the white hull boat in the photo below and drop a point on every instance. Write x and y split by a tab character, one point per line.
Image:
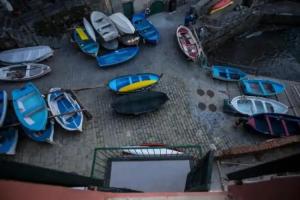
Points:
89	29
23	72
250	105
104	26
122	23
26	55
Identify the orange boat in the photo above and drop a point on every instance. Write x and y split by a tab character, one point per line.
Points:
220	5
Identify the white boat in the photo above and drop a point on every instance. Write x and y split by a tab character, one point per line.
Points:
250	105
104	26
23	72
26	55
89	29
122	23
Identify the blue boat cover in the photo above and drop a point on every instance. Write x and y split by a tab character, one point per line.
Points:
145	28
30	107
117	57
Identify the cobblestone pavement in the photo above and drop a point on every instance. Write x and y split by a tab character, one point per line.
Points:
179	121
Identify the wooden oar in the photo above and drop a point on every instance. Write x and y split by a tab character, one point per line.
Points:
50	117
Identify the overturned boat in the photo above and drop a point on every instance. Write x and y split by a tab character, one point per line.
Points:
122	23
25	55
23	72
89	29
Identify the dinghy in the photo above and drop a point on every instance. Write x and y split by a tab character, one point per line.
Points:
275	125
122	23
130	40
89	29
8	141
3	106
188	43
227	73
104	26
30	107
42	136
23	72
220	6
139	103
85	42
117	57
146	30
111	45
261	87
70	115
133	82
25	55
249	105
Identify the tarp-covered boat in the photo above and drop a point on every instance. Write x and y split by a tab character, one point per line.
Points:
8	141
250	105
3	106
133	82
262	87
61	103
220	5
188	43
30	107
104	26
23	72
139	103
25	55
42	136
275	125
85	42
227	73
122	23
146	30
89	29
117	57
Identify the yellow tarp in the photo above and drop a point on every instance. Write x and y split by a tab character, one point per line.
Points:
137	86
82	34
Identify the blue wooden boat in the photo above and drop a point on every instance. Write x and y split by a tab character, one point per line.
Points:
67	110
117	57
146	30
3	106
30	107
133	82
85	42
262	87
227	73
42	136
8	141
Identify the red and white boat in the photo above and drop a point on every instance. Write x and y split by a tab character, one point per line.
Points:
188	42
220	5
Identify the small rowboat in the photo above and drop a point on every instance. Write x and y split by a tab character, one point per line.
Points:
23	72
104	26
275	125
89	29
249	105
85	42
42	136
133	82
30	107
25	55
220	6
261	87
8	141
146	30
188	43
227	73
3	106
122	23
117	57
61	103
139	103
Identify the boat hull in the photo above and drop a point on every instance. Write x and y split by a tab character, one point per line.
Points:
122	23
9	140
227	73
3	106
139	103
30	107
262	87
42	136
275	125
133	82
85	43
89	29
117	57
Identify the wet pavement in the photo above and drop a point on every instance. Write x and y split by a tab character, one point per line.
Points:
193	115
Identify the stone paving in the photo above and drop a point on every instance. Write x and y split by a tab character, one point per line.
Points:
180	121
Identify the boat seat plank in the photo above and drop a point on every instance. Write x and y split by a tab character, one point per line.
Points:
33	110
262	88
286	131
269	125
